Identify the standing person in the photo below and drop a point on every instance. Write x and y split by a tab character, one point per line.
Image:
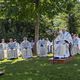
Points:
48	45
51	47
79	46
42	48
26	48
62	44
12	50
32	45
38	47
17	47
4	45
1	52
75	44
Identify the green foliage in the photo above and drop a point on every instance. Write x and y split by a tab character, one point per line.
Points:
73	19
76	11
52	14
60	20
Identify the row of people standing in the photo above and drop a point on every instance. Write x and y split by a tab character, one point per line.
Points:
13	49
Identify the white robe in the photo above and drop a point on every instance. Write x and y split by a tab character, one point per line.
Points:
42	48
1	52
26	49
4	49
38	47
48	46
75	46
61	48
18	49
32	45
78	45
51	47
12	51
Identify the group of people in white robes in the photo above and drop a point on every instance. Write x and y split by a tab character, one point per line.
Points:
13	49
66	45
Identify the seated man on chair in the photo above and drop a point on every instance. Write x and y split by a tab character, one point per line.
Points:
62	44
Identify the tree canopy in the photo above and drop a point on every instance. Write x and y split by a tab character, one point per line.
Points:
18	18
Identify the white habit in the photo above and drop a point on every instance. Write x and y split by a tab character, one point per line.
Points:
1	52
12	50
42	48
75	48
61	45
26	49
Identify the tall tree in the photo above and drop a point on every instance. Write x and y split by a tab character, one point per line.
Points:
37	23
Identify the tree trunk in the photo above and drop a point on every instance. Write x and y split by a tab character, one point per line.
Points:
36	25
36	32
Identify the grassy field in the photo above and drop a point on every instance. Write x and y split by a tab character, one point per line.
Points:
40	69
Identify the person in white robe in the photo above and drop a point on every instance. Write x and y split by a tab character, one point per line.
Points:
32	45
12	50
38	47
78	45
51	47
18	48
75	45
42	48
26	48
48	45
62	45
4	47
1	52
78	38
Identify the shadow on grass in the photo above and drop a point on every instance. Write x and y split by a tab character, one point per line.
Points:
40	69
20	69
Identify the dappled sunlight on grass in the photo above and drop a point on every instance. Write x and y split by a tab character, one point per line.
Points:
9	74
39	68
17	60
4	61
21	59
34	56
75	65
50	55
43	65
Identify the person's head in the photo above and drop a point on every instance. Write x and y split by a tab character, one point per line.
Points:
3	40
15	40
64	30
25	38
77	35
43	39
11	40
74	35
47	39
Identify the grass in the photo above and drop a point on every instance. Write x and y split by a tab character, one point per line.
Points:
40	69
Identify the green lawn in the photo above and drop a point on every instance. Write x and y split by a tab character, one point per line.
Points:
40	69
